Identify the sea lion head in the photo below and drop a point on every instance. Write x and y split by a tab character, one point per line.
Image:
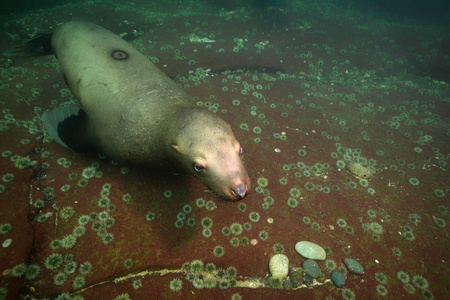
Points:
207	148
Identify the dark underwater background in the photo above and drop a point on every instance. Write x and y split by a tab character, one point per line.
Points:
342	108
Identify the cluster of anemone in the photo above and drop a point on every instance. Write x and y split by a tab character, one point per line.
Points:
54	261
381	290
70	267
381	278
420	282
8	178
315	226
196	266
247	226
409	235
5	228
372	213
78	282
176	285
207	232
341	223
330	264
67	212
200	202
210	268
244	241
236	229
263	235
226	231
278	248
242	207
348	294
254	216
409	288
206	222
137	284
126	197
218	251
309	186
107	238
403	276
235	242
210	205
68	241
85	268
376	228
60	278
439	222
292	202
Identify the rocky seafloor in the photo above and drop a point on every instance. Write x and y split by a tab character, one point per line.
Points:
344	120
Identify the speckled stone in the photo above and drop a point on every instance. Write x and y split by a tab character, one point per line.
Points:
338	279
279	266
7	243
353	266
311	268
310	250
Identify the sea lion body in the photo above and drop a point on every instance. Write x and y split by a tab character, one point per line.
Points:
129	101
136	113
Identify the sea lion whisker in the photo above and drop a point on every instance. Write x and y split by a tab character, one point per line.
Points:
217	195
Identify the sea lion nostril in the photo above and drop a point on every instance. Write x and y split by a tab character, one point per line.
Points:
240	191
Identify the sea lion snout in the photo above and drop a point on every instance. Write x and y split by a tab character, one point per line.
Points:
241	191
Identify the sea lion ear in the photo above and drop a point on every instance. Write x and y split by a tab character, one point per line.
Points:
177	148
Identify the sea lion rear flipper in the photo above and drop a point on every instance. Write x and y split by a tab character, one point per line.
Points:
38	46
67	126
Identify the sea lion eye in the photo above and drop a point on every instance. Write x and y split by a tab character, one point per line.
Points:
199	168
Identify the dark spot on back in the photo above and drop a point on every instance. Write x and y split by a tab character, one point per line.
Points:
119	55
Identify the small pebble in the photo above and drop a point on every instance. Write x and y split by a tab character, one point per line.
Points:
7	243
311	268
338	279
279	266
310	250
353	266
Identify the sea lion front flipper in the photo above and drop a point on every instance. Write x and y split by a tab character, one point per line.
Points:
67	126
37	46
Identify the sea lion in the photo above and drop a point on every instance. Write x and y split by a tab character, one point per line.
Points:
132	111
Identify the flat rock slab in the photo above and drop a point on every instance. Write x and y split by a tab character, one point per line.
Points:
310	250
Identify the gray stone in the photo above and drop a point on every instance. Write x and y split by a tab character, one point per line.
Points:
311	268
353	266
310	250
279	266
338	279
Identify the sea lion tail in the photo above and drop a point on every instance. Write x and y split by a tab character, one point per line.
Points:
38	46
67	126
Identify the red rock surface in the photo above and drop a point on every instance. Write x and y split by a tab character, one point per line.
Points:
389	77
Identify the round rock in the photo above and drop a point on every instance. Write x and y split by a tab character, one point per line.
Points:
7	243
310	250
338	279
353	266
279	266
311	268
